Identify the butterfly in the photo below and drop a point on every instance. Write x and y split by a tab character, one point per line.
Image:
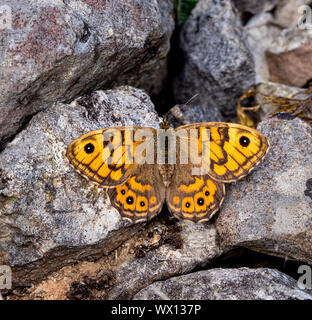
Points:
138	180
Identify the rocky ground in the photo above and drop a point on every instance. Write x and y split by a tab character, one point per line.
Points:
69	67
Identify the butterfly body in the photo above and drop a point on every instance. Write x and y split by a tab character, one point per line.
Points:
148	167
166	171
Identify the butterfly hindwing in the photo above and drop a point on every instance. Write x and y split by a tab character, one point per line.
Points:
193	198
141	197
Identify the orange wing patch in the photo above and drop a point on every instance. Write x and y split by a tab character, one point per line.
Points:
197	200
105	156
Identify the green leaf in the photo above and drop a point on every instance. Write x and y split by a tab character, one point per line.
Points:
183	9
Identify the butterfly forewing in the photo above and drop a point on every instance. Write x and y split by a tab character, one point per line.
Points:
106	156
234	149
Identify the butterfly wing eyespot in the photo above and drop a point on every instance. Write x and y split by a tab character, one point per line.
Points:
244	141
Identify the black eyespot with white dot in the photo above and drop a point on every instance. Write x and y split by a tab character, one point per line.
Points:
123	191
89	148
244	141
129	200
207	193
142	203
187	204
200	201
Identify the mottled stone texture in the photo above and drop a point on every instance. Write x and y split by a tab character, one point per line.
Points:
185	114
226	284
49	215
58	50
279	40
255	6
271	209
199	246
288	58
217	63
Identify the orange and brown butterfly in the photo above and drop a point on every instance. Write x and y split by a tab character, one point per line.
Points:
138	188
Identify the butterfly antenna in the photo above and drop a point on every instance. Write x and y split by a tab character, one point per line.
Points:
191	99
165	123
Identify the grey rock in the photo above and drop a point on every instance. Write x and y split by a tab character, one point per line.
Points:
260	33
271	209
59	50
217	62
200	246
184	114
289	12
255	6
287	57
226	284
279	46
49	215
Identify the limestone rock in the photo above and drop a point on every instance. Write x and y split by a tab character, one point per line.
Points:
280	43
59	50
226	284
185	114
288	13
255	6
217	63
199	245
288	58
